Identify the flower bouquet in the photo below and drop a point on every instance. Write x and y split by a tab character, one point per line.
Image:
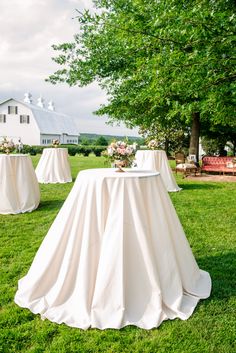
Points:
121	154
152	144
55	143
7	146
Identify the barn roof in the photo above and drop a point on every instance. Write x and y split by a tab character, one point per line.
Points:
49	121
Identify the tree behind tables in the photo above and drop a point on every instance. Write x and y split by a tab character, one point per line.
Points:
158	61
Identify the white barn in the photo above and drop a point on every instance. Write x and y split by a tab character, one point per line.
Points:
35	125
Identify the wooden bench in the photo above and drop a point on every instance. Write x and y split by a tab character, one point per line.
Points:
220	165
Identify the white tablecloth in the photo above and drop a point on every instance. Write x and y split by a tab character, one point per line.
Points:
19	188
53	166
115	255
157	160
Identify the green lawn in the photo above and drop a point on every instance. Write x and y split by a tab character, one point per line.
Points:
208	214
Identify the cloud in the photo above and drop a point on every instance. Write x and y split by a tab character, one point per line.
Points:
28	30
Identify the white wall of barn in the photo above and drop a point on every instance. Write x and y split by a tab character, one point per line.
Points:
12	128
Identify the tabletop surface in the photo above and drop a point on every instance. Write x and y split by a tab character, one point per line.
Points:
148	151
111	173
14	155
55	149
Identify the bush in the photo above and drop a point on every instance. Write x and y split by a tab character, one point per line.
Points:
85	150
72	150
97	150
32	150
78	149
38	149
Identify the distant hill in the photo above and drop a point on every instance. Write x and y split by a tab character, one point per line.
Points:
92	137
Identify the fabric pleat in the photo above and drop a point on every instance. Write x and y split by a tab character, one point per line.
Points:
53	166
19	189
115	255
156	160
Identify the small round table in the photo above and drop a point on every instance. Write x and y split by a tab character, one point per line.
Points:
19	189
53	166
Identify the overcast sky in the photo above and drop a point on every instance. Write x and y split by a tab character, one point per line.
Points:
28	30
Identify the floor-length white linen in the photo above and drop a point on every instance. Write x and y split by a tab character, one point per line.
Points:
53	166
158	161
115	255
19	188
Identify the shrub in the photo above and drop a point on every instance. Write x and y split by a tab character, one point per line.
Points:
32	150
97	150
72	150
86	151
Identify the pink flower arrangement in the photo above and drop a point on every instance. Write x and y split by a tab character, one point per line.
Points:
120	150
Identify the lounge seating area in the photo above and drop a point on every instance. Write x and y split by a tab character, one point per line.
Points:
220	165
214	164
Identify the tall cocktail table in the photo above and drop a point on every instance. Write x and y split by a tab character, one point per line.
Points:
19	189
115	255
53	166
157	160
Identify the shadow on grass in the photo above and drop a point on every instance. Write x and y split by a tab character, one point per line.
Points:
222	271
199	186
50	205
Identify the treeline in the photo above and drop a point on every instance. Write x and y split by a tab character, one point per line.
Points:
105	140
88	143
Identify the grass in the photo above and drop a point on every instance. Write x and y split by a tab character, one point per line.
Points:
207	211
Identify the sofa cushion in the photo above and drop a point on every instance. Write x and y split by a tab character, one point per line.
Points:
217	164
185	166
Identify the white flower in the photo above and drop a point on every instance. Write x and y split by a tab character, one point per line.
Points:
152	144
7	146
110	151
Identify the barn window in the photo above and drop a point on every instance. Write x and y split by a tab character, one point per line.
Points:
2	118
24	119
12	109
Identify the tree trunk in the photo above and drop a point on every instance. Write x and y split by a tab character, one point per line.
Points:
167	146
234	147
194	138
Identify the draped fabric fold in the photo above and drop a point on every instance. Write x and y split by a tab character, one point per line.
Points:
157	160
19	189
115	255
53	166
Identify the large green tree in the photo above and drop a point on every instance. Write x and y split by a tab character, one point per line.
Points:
171	136
158	60
218	137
